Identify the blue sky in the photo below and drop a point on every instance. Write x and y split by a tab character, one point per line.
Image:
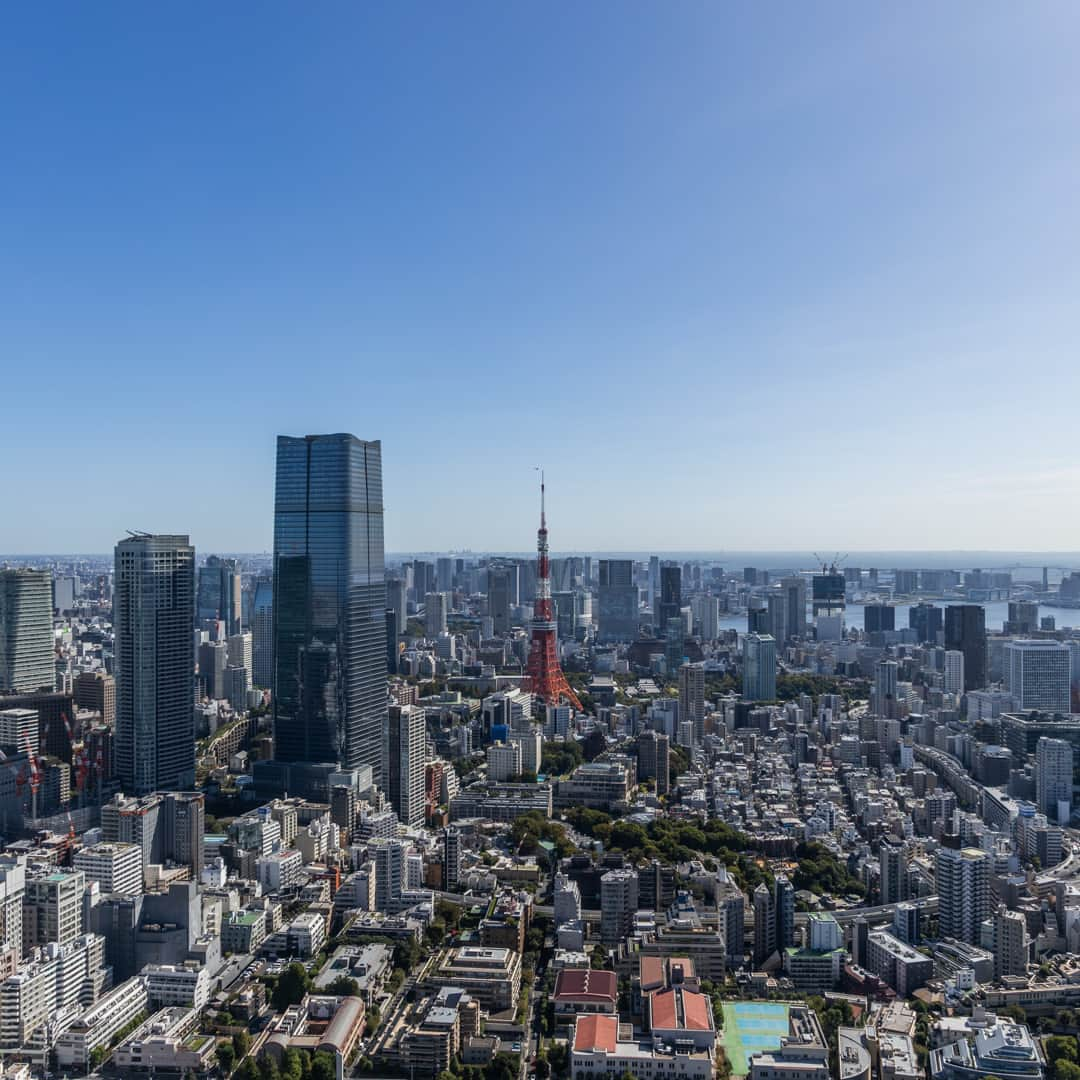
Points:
741	276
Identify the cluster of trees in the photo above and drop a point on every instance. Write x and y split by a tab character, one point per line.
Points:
821	871
789	687
674	842
501	1067
295	1065
290	987
833	1016
561	758
1063	1056
528	830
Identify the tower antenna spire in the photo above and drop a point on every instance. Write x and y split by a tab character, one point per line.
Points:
545	678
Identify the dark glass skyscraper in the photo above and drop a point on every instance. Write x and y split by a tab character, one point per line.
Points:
965	631
219	592
329	606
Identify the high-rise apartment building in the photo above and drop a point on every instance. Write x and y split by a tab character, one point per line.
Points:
329	603
434	614
784	910
893	880
692	698
1054	778
502	584
153	611
953	682
654	759
241	652
764	925
405	762
1010	943
759	667
618	905
962	876
397	602
451	858
262	635
53	908
219	593
793	590
617	615
965	631
27	649
389	874
1038	674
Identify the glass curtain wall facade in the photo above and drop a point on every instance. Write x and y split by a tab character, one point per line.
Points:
329	603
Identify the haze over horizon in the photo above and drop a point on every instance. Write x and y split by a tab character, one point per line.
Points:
740	277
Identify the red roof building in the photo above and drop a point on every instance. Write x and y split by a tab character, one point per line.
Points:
679	1015
583	991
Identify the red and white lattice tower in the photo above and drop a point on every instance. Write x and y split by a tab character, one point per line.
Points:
546	679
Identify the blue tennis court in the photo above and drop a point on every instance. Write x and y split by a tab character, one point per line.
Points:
751	1027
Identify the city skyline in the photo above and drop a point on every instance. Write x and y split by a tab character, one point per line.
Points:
811	265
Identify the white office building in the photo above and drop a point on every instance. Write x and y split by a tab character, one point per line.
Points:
1039	675
118	868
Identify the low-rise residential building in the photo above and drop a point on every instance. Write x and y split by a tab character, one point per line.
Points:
491	976
177	984
167	1044
243	931
303	937
900	966
98	1024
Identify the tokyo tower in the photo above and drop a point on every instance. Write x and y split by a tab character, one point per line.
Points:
546	679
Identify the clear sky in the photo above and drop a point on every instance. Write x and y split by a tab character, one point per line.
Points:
740	275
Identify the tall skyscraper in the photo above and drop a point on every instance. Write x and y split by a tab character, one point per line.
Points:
759	667
27	650
965	630
654	581
262	635
893	880
962	876
407	745
784	908
1010	943
954	672
879	618
434	614
1023	617
1054	778
444	574
329	602
925	620
1038	674
828	592
502	582
153	611
793	590
396	601
654	759
670	604
692	698
219	592
617	617
764	925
